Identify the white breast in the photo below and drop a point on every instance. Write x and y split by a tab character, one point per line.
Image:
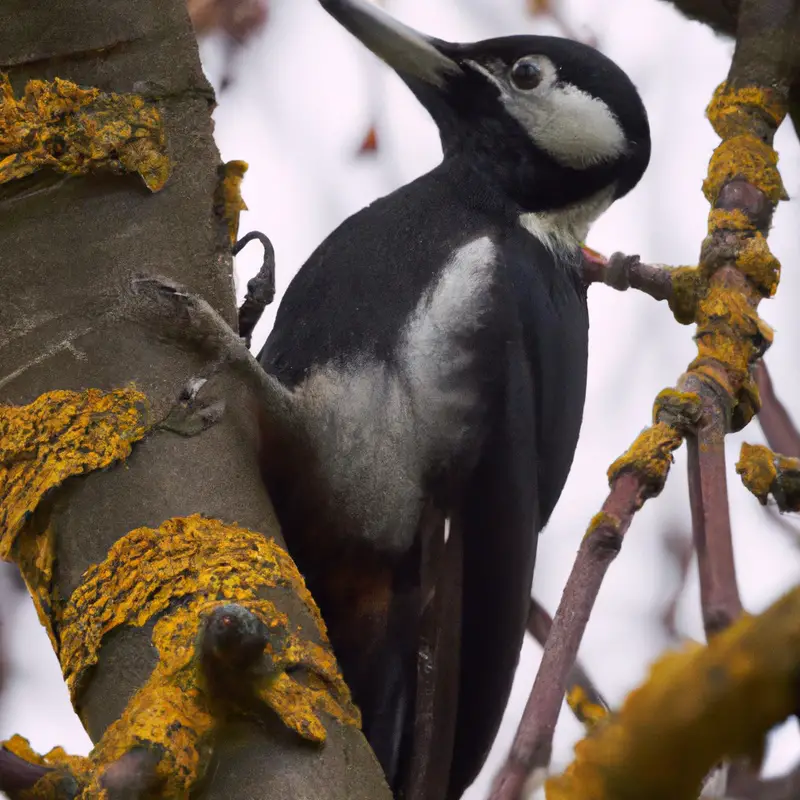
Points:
566	228
377	430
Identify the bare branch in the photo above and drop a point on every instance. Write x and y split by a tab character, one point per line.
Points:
681	550
711	524
781	433
699	706
260	288
533	742
622	272
715	395
17	774
585	700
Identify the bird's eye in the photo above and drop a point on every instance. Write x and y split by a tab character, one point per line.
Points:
526	74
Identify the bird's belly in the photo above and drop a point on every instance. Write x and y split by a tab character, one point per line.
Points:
381	430
378	437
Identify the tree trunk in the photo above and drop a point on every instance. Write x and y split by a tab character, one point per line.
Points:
70	250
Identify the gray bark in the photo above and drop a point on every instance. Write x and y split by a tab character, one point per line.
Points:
69	248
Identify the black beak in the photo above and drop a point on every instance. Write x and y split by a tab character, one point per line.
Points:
410	53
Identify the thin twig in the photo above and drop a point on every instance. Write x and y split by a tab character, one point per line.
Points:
698	708
540	623
779	429
636	476
711	524
723	302
681	550
17	774
260	288
622	272
533	742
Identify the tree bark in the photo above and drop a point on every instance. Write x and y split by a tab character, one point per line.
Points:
71	247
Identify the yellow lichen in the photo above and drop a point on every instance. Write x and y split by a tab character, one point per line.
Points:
602	520
649	457
727	322
688	286
757	467
200	563
205	562
228	202
698	706
730	338
20	746
180	573
731	109
70	129
34	553
62	764
758	263
680	410
59	435
587	711
744	156
764	472
730	334
720	219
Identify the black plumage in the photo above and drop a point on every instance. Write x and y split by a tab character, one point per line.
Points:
436	346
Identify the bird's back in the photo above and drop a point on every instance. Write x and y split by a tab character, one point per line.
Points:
364	281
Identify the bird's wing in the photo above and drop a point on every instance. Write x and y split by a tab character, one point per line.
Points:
500	518
432	727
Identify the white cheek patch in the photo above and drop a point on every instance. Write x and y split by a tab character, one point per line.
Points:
573	127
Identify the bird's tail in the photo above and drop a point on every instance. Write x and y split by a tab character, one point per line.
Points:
407	677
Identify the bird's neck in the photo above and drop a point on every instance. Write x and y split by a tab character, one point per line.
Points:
556	207
526	176
566	228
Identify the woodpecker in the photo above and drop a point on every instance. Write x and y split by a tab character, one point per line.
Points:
434	348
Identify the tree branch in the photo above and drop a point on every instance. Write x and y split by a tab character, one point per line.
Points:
681	550
583	697
779	429
532	745
715	395
764	472
622	272
109	321
698	706
711	524
16	774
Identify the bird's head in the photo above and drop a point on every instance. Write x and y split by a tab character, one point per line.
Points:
553	121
